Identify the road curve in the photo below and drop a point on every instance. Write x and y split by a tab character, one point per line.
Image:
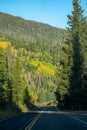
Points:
47	118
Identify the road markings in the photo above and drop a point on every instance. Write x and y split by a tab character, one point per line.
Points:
56	108
75	118
30	125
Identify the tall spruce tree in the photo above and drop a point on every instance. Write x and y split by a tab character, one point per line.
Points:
77	40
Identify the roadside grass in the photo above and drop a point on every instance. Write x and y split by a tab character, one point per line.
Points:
6	113
12	111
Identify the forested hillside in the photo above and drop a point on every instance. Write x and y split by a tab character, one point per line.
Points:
30	57
24	30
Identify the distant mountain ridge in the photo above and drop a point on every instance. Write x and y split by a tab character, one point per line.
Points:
26	30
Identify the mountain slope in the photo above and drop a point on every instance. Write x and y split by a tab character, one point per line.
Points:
31	55
20	29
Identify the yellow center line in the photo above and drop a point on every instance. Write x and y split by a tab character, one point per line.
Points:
30	125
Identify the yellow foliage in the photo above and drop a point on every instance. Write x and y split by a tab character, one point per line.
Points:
35	63
33	94
34	97
42	68
4	44
46	69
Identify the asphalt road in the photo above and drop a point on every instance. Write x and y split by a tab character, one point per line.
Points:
47	118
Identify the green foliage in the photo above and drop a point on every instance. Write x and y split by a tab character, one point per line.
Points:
37	48
12	85
77	41
27	97
42	96
3	79
36	62
28	31
16	81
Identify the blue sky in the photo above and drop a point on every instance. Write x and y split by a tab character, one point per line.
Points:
52	12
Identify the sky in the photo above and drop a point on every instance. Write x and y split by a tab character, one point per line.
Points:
52	12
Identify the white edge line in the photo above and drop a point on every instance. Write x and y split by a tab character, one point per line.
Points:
84	122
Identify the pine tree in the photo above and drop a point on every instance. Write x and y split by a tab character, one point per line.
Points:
63	73
16	81
76	40
3	79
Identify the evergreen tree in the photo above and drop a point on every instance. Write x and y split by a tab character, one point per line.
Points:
76	41
16	81
3	80
63	73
